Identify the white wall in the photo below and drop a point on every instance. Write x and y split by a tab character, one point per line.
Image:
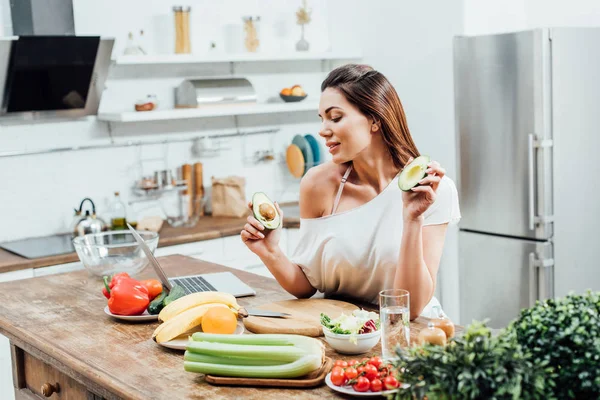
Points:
492	16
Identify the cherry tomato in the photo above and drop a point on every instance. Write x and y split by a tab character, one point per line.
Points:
360	370
390	383
382	374
341	363
351	373
370	372
364	360
337	377
376	385
362	384
352	362
375	361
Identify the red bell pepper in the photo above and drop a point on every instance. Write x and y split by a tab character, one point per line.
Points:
114	280
127	296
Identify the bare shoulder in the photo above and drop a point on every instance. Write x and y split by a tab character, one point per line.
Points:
317	189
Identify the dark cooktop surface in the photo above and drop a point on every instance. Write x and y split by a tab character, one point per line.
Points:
41	246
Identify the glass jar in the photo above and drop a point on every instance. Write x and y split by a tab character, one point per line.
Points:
251	30
182	30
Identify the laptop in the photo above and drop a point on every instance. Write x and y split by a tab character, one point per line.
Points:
216	282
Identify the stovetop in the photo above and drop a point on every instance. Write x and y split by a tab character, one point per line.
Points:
40	247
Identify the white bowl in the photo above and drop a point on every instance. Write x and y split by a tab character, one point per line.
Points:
342	343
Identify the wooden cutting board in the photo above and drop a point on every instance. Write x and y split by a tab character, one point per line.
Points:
304	319
313	379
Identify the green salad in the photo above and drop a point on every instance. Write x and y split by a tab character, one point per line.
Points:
359	322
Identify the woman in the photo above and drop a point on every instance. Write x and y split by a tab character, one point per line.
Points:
359	233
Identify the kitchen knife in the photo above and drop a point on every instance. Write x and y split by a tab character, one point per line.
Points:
264	313
151	258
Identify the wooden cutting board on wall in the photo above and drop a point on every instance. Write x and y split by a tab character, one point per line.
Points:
304	319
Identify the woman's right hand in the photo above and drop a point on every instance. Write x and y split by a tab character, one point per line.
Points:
259	240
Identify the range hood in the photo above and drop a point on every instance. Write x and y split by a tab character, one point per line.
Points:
52	76
45	69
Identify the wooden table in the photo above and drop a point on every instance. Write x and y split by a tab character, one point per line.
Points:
60	333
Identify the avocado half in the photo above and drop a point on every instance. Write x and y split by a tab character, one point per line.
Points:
264	211
413	173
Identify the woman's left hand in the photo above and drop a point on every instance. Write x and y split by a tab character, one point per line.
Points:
418	200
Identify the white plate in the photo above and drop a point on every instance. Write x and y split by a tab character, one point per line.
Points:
143	317
180	342
350	391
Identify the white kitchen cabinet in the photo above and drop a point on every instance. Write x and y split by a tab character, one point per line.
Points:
6	384
58	269
293	235
259	269
16	275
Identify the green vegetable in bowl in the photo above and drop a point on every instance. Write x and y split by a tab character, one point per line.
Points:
360	321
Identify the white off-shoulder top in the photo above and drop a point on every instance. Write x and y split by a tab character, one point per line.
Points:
355	253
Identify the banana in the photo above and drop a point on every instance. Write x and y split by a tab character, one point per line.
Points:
196	299
182	322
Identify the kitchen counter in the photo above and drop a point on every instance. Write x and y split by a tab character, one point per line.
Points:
207	228
60	333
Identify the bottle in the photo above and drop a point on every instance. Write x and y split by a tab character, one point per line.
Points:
432	335
118	213
440	320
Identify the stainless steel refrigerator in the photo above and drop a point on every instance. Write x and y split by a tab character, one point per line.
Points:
527	108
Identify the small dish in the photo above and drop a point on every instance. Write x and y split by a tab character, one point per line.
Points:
142	317
350	391
342	343
307	153
292	99
295	160
180	342
314	146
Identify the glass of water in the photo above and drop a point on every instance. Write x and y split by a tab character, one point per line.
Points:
394	313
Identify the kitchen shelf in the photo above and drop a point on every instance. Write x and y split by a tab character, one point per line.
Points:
208	111
226	58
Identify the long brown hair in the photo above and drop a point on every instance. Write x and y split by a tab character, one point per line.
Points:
375	97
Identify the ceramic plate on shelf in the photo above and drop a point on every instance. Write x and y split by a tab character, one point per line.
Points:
180	342
295	160
143	317
352	392
314	146
304	146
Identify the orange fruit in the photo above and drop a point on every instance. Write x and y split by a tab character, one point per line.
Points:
219	320
298	91
286	92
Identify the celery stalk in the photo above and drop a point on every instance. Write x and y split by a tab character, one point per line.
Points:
201	358
277	353
302	366
311	345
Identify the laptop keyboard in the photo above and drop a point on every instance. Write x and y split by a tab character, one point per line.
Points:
193	284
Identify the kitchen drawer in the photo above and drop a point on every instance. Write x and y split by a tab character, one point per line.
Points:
16	275
58	269
35	379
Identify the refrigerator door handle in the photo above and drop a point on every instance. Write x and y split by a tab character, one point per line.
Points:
531	171
540	278
533	284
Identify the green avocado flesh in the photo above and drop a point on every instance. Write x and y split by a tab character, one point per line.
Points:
413	173
265	211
